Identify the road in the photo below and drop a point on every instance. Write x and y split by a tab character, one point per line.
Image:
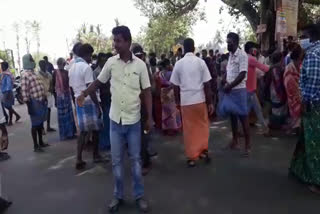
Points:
48	183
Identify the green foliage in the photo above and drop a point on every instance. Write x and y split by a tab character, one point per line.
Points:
4	56
39	56
93	35
163	33
169	22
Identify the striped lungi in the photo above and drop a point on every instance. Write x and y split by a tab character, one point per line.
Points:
88	119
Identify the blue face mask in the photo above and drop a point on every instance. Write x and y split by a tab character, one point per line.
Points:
305	43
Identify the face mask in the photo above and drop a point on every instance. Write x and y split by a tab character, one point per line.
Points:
305	43
94	62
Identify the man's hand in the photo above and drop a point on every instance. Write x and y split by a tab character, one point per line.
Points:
210	109
227	88
148	126
80	100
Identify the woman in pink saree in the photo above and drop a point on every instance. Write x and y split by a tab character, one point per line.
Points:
291	83
171	117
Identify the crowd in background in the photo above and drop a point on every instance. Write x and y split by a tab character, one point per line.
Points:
114	99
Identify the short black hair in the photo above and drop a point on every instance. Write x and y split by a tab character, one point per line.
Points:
198	54
188	45
234	36
211	51
85	50
249	45
276	57
94	56
153	61
76	48
4	66
224	57
290	38
291	46
45	58
313	30
109	55
124	31
165	63
179	49
296	52
101	56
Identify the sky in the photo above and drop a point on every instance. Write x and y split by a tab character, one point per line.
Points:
60	19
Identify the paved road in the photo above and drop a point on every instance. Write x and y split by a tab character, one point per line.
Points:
47	183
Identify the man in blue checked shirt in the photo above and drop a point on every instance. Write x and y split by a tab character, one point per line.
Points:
306	161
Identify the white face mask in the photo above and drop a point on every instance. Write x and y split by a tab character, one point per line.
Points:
94	61
305	43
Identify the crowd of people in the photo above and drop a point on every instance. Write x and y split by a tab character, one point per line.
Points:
114	101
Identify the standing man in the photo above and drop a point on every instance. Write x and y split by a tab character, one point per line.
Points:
128	76
46	79
236	91
89	113
191	75
306	161
33	93
49	66
253	101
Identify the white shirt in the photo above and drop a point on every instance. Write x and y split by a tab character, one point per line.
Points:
189	74
80	75
126	79
237	63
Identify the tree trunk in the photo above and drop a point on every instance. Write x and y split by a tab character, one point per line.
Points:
268	17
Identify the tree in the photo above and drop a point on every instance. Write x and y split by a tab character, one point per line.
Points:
163	33
169	22
262	11
27	37
93	35
16	27
36	28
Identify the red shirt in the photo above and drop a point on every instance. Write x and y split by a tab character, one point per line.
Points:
253	64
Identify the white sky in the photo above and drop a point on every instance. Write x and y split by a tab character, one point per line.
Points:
61	18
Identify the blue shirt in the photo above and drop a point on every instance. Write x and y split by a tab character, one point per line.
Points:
7	84
310	74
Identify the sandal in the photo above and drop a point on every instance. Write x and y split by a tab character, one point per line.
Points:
205	156
80	165
191	163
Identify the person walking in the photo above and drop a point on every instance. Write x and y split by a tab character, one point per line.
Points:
33	93
129	77
192	77
253	101
234	101
7	81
